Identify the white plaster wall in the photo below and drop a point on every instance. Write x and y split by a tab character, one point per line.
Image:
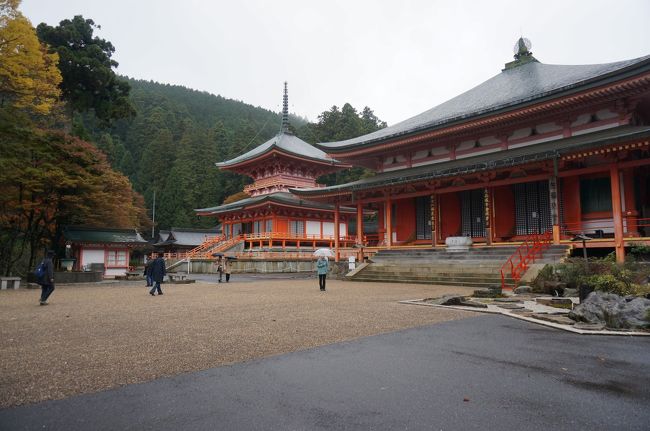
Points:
92	256
547	127
328	228
419	155
488	140
439	151
606	114
582	119
313	227
521	133
465	145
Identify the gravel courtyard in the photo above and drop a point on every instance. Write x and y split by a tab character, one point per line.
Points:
102	336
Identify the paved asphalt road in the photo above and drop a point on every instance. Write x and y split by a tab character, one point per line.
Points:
482	373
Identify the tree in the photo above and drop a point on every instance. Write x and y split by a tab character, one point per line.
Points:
338	125
89	82
49	180
29	77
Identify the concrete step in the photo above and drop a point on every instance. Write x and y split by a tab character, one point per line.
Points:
477	285
478	267
458	276
441	270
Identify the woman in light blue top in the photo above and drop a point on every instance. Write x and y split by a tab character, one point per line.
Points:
321	267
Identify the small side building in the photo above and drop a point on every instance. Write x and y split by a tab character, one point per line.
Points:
115	249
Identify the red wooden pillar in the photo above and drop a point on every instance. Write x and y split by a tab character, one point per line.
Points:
617	212
359	223
389	221
336	232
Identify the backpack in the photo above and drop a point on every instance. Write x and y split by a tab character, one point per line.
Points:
39	272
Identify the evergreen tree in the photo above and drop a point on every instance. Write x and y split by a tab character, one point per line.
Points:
89	82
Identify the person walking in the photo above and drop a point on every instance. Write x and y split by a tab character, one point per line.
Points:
219	262
46	279
147	272
158	272
226	268
322	265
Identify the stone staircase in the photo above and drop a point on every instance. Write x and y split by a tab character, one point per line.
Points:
480	267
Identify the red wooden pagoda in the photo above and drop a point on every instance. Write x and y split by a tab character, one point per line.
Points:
273	217
537	148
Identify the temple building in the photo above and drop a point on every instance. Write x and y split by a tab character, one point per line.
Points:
538	148
273	218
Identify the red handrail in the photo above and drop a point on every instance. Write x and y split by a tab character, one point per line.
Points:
533	246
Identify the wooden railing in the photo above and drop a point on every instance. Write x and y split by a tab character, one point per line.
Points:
604	227
517	264
208	244
221	244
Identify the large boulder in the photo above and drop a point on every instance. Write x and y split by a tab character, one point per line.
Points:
614	311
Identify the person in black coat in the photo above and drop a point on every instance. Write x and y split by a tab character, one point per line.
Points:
47	279
147	272
158	272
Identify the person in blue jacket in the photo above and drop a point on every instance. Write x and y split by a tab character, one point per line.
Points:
321	268
158	272
47	279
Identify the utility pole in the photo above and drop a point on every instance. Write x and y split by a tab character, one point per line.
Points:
153	215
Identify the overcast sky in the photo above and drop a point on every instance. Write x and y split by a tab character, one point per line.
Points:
398	57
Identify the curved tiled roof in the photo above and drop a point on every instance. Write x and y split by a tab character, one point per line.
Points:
102	235
286	143
486	162
513	86
282	198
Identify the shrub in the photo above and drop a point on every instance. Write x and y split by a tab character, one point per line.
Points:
640	251
609	283
603	274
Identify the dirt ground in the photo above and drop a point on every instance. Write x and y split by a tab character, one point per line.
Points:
105	335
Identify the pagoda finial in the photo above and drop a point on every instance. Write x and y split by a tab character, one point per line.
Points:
285	110
522	53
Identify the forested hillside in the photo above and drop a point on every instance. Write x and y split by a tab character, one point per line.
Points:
171	145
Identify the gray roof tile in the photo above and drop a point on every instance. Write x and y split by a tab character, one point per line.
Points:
278	197
514	86
284	142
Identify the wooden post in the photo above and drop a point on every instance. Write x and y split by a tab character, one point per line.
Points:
617	212
359	224
433	219
488	219
553	197
336	232
389	221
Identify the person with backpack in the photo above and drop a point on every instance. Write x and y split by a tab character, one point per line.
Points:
158	272
45	276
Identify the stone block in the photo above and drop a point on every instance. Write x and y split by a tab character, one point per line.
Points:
522	289
448	300
556	302
457	244
613	311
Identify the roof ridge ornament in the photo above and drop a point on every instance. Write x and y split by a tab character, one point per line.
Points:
523	54
285	111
